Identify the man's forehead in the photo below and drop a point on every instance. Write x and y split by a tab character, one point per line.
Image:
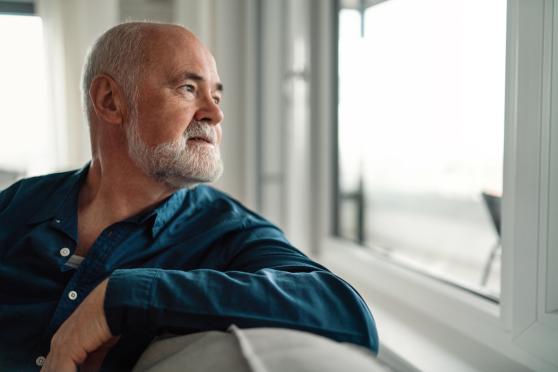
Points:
180	53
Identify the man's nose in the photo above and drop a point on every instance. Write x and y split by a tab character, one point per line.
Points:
209	111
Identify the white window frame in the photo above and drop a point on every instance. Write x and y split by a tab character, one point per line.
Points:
523	329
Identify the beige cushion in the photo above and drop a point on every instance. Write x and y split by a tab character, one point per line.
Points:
255	350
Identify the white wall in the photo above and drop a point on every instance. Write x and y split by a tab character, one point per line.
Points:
71	26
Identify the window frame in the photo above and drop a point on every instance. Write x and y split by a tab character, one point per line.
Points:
521	328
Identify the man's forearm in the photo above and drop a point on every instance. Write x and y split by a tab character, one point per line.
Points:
199	300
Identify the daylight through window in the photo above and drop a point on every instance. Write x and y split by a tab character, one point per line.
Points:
420	135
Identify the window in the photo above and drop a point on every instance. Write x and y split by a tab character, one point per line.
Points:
25	139
518	326
429	321
421	136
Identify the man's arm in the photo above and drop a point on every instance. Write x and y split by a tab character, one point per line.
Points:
267	283
201	300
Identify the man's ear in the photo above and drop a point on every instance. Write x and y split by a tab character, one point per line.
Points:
107	99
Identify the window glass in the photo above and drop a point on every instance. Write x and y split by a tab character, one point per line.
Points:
420	135
25	140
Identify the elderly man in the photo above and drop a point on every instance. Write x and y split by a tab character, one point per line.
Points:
95	263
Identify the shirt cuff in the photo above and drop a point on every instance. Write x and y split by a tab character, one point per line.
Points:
127	298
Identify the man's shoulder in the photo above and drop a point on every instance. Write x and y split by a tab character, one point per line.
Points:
43	183
219	207
29	190
206	196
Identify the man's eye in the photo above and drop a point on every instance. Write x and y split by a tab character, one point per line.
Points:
189	88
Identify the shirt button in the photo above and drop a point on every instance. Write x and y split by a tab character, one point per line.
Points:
72	295
40	361
64	252
57	220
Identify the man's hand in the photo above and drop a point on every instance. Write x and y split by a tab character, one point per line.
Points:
84	338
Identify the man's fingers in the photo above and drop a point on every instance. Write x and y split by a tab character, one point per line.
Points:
95	359
55	364
62	362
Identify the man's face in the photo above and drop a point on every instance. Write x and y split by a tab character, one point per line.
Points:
175	121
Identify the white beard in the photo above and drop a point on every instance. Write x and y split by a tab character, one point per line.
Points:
177	164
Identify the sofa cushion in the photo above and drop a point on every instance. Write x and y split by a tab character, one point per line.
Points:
255	350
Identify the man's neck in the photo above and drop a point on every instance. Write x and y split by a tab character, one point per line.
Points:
114	194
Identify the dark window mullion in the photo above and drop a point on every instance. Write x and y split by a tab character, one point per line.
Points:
17	7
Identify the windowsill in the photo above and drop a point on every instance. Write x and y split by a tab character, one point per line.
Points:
423	330
410	341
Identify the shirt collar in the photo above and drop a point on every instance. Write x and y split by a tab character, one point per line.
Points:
167	209
159	215
61	206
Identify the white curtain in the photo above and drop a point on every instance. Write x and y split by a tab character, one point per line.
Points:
70	27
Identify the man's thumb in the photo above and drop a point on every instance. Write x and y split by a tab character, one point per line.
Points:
95	359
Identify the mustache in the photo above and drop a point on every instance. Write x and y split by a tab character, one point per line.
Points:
201	129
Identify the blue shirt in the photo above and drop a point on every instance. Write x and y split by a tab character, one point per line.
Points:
198	261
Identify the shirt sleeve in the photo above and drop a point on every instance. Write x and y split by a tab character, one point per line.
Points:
267	283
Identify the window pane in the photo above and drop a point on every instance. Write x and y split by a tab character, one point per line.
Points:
26	143
421	130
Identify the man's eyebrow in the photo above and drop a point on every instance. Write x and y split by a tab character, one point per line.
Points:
193	76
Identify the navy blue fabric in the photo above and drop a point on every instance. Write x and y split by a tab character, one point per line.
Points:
198	261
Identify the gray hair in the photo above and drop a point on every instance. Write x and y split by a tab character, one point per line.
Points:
117	53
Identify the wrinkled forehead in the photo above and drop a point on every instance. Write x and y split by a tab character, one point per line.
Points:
173	49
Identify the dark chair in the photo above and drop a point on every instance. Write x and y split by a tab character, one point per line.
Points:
494	205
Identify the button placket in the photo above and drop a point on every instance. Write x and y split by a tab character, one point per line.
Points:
88	271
